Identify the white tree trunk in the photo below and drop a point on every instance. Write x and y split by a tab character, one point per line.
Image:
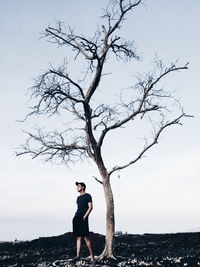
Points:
110	220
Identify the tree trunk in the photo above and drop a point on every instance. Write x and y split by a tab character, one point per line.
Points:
110	216
110	220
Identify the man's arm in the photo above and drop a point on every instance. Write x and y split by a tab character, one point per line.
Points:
90	207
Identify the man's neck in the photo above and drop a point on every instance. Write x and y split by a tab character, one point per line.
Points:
82	192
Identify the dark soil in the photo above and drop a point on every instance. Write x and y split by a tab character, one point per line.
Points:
181	249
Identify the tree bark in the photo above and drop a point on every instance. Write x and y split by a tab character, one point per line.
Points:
108	251
110	220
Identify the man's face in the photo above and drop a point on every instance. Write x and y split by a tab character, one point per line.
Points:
80	188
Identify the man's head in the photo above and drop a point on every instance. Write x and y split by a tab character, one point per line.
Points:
80	186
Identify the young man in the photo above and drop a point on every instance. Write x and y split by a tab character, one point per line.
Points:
80	220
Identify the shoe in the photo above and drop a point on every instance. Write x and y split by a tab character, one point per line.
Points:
75	259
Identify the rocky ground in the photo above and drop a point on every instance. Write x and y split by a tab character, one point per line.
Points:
182	249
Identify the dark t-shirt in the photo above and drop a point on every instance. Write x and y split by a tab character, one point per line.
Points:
82	203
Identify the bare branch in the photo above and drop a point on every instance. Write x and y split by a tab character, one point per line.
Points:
55	90
61	74
166	71
124	121
155	141
148	100
99	181
96	48
105	115
124	50
80	44
118	13
52	147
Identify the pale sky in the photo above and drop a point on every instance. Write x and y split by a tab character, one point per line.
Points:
160	194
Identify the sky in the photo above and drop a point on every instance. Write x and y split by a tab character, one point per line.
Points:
159	194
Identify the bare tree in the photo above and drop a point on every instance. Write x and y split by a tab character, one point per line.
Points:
57	91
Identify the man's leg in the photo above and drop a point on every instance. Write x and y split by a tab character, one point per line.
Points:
88	244
78	246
